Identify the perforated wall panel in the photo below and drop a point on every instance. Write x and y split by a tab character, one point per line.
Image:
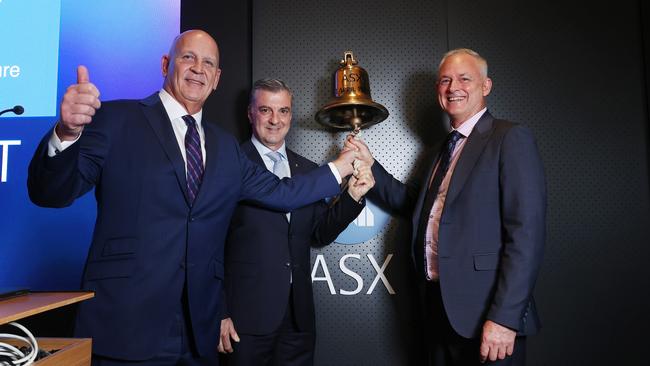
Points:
571	71
398	44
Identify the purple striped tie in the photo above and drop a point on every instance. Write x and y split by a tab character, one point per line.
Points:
194	158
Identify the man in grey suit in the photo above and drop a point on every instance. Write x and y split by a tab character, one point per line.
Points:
478	224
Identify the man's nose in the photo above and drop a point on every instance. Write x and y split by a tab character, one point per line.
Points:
453	84
197	67
273	118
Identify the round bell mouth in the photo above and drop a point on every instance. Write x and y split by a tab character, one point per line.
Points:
351	114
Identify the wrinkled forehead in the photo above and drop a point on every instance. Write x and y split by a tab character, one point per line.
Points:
459	64
197	42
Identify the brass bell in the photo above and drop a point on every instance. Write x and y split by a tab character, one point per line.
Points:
351	107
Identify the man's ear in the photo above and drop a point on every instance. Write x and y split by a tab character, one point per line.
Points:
487	86
164	65
216	79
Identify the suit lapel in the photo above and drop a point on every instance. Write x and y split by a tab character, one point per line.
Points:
296	168
294	165
476	142
424	186
249	149
162	127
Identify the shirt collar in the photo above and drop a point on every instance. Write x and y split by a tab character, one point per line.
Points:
263	150
466	127
174	109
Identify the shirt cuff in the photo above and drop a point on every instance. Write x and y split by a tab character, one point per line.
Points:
55	145
335	172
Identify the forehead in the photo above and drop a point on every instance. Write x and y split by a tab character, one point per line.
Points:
266	97
460	64
197	43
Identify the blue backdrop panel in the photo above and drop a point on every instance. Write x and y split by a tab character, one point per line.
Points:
121	42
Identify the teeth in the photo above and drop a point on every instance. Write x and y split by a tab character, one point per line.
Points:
455	99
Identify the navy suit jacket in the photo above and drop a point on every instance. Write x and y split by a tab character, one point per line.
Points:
148	241
492	228
264	251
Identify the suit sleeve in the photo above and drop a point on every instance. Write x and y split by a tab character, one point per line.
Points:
285	195
391	193
57	181
523	206
334	218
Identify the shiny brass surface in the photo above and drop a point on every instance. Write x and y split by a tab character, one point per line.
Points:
352	107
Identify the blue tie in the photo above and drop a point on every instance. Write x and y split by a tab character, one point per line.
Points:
279	169
194	158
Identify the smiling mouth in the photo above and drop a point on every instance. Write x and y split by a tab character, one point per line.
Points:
196	82
455	99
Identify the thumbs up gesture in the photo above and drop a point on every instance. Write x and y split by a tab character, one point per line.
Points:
79	104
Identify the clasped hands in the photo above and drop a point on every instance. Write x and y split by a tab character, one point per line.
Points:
355	161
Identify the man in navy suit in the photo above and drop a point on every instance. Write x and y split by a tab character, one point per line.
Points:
270	306
478	224
166	185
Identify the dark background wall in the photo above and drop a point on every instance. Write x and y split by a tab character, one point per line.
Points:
574	72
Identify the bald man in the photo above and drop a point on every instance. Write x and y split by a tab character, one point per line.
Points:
166	185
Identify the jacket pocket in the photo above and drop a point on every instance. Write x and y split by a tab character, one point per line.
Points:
486	261
119	246
114	268
218	269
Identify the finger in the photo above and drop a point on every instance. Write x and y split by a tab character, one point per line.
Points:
484	351
501	352
492	356
75	121
87	88
226	344
510	348
82	74
220	347
82	109
349	146
234	335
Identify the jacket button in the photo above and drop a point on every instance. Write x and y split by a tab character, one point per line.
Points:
287	264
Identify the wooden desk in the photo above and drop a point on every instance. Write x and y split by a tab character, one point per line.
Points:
70	351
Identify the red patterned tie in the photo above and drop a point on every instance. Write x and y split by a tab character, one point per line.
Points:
194	158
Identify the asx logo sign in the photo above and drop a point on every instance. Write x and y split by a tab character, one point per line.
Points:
366	226
4	144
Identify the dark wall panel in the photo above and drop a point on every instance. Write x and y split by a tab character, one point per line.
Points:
230	24
397	42
572	71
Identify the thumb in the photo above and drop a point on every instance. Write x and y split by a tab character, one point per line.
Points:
82	75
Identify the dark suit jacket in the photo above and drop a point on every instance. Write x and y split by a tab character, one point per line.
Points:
492	228
264	250
147	238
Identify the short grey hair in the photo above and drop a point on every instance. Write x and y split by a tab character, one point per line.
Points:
271	85
482	63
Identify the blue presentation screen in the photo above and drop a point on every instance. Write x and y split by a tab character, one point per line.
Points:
30	57
121	43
